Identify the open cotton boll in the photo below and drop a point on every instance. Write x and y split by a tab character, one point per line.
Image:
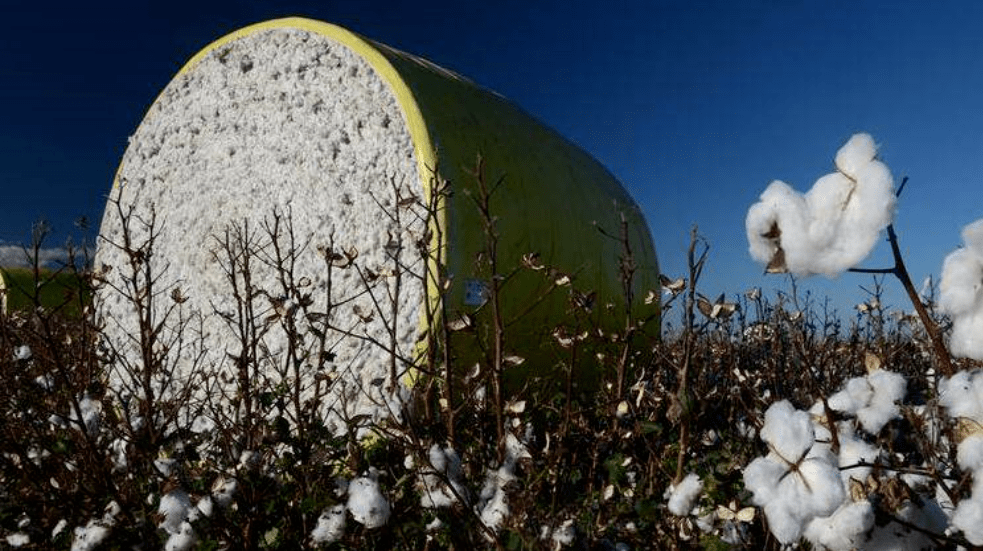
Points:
174	508
962	395
872	398
366	502
844	530
959	288
789	498
781	205
961	293
855	154
968	518
788	431
434	492
970	453
834	225
330	525
682	496
854	451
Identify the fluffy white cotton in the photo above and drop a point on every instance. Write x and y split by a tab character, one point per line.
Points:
854	451
366	502
789	432
970	454
961	293
873	398
968	519
844	530
174	509
182	540
682	496
434	492
962	395
22	352
330	525
18	539
835	224
90	536
797	481
564	534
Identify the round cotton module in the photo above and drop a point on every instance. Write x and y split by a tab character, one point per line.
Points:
297	213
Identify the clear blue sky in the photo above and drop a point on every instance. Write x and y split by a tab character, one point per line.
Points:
695	106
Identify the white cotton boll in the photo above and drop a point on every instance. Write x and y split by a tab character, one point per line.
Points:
564	534
835	224
206	506
959	288
18	539
761	478
970	453
855	154
434	492
961	293
968	519
972	236
790	499
330	525
844	530
22	352
783	523
182	540
856	394
684	495
782	205
889	388
174	508
853	451
366	503
966	339
826	202
819	486
962	395
787	430
90	536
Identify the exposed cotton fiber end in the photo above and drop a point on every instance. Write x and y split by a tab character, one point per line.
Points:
961	293
366	502
844	530
682	496
834	225
290	120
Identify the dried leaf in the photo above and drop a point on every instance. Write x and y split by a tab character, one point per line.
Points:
513	360
464	321
871	362
777	263
674	286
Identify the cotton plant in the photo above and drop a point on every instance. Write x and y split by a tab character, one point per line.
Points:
962	396
961	293
683	496
834	225
797	481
